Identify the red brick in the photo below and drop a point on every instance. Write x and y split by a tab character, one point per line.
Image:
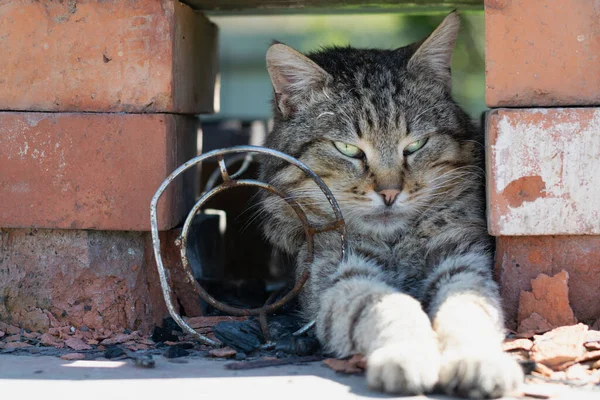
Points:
105	280
132	56
540	171
541	53
93	171
53	278
521	259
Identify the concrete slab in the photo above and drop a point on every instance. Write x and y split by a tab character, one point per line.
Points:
33	377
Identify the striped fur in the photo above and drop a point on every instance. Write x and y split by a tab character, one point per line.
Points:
416	293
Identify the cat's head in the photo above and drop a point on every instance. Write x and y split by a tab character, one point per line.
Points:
378	126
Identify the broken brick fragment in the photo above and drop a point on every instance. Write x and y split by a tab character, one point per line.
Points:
16	345
77	344
49	340
559	346
517	344
535	323
549	298
73	356
224	352
354	365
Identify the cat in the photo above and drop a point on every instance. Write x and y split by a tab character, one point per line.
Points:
415	293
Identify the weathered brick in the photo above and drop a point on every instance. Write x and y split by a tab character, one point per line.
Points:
541	53
132	56
53	278
93	171
542	171
521	259
98	279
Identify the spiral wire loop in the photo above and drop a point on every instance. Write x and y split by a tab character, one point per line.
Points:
231	181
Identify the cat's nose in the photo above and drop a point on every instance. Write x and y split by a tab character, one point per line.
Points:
389	196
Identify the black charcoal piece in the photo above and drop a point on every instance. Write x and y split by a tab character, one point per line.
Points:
113	352
175	352
244	336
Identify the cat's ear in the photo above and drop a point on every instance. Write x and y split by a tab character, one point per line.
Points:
293	76
434	54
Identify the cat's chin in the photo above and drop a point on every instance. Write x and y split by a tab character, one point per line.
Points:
382	223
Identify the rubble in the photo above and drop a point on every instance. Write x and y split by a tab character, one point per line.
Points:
354	365
77	344
223	352
560	345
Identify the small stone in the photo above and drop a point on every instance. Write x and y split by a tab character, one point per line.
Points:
517	344
138	346
542	369
9	329
175	352
549	298
49	340
559	346
31	335
113	352
224	352
2	334
118	339
73	356
241	356
92	342
535	323
16	345
592	345
145	361
13	338
354	365
589	356
77	344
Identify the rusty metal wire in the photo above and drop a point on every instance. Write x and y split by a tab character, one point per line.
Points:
230	181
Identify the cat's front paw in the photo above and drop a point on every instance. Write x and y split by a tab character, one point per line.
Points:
403	369
479	375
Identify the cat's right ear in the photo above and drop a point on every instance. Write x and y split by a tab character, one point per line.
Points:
294	77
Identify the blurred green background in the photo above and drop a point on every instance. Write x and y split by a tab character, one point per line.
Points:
245	87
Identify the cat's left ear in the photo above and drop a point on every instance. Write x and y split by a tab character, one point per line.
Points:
434	55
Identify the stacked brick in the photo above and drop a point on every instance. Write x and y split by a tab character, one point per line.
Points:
98	102
543	153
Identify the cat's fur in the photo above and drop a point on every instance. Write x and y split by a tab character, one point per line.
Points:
415	294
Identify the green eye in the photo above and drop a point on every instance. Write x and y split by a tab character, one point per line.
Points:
348	150
415	146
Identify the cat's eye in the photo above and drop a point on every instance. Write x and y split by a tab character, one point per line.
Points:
415	146
348	150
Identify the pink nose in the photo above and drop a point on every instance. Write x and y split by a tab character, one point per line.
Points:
389	196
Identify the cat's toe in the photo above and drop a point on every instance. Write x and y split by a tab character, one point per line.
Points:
479	375
402	369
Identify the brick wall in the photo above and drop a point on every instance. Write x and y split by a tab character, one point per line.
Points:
543	154
97	104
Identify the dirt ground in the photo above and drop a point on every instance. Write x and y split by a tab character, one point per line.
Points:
31	377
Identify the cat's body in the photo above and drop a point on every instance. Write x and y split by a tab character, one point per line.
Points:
415	293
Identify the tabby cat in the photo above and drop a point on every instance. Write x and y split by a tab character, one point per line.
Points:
415	294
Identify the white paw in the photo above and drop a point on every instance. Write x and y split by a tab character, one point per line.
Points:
403	369
479	375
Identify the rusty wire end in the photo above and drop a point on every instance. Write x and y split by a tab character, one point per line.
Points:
230	181
305	328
